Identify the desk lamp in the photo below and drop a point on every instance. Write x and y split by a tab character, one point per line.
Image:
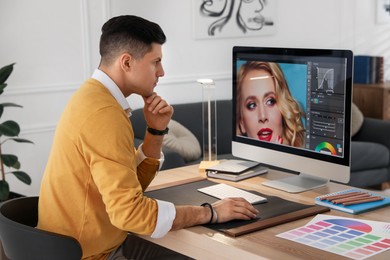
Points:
209	121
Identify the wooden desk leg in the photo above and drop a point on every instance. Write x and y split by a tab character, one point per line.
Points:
385	185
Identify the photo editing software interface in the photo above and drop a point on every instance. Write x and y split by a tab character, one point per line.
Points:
325	106
318	85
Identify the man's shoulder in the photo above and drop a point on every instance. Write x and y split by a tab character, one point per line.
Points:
92	86
91	98
93	93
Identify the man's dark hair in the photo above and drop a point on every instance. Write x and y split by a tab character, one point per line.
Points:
128	33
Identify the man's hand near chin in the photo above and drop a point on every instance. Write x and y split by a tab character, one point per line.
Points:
157	113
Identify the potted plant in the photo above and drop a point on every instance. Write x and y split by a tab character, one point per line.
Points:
9	131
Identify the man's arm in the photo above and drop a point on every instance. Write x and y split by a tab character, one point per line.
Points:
224	210
157	114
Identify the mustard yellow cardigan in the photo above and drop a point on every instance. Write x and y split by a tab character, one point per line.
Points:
92	188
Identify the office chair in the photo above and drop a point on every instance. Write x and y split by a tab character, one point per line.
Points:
21	240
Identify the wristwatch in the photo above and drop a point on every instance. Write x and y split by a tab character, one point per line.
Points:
157	132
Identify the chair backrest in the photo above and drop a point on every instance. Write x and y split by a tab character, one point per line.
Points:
21	240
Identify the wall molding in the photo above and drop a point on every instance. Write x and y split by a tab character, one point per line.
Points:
39	89
85	37
86	29
106	12
73	86
38	129
192	78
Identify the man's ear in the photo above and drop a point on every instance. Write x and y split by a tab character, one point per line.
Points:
125	61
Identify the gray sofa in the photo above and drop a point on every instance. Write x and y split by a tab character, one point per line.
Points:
370	156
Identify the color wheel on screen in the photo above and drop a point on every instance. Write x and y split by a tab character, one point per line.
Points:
325	146
356	239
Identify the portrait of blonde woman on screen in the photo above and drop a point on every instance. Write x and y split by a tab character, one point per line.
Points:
267	111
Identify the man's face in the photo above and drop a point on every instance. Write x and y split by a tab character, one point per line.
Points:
145	72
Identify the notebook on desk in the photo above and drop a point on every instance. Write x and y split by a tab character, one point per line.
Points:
276	211
361	203
232	166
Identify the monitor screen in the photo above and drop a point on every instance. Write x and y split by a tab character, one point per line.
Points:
292	109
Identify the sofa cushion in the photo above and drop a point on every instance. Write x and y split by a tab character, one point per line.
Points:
371	177
367	155
182	141
357	119
190	116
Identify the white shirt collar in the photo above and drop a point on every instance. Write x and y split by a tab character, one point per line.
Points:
113	88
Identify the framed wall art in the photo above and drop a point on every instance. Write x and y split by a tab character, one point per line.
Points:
382	11
233	18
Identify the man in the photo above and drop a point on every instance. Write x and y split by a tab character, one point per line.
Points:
93	184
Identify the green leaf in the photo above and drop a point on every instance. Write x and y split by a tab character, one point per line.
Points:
22	176
5	72
9	128
16	165
10	105
4	190
2	87
20	140
10	160
3	105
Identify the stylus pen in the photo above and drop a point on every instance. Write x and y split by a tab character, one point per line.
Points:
374	198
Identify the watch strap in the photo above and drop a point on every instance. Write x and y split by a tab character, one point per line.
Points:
157	132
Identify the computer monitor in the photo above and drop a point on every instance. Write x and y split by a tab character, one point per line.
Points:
292	109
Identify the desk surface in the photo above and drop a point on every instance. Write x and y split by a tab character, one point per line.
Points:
203	243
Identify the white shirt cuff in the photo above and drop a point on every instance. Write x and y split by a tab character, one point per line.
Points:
141	156
165	216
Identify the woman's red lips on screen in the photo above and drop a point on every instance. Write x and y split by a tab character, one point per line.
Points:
265	134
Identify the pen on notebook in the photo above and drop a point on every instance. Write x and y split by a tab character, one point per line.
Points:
338	196
352	198
371	199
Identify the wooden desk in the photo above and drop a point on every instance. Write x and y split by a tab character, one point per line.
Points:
373	99
203	243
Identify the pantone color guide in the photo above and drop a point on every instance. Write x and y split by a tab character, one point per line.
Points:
353	238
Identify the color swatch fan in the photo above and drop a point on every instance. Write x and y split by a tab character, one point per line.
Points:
356	239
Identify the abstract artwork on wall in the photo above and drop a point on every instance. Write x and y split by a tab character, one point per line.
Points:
233	18
382	11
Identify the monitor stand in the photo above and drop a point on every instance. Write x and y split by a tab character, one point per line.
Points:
296	184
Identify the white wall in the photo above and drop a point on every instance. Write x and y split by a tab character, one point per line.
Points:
55	46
